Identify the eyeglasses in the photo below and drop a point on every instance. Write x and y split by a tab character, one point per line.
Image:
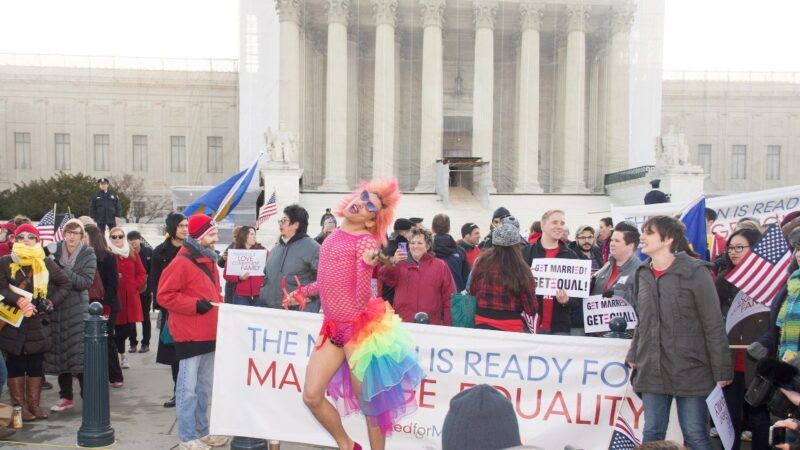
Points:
117	236
73	233
585	238
24	236
284	220
367	202
736	248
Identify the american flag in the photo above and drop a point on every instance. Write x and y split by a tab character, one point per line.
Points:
46	227
268	210
59	236
764	271
623	438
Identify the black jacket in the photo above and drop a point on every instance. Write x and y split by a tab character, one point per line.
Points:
105	207
563	317
446	249
163	254
387	292
597	255
655	196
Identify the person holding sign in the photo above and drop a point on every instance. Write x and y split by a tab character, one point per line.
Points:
35	284
363	358
750	324
616	277
248	285
555	311
679	350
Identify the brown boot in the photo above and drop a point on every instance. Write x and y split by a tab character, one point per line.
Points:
33	389
16	389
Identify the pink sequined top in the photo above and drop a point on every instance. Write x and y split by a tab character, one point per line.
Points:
343	278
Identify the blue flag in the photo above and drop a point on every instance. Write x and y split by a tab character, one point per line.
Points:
222	198
694	217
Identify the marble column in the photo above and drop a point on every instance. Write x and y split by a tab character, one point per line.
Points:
289	14
575	101
619	87
432	95
336	102
384	108
483	89
595	169
527	179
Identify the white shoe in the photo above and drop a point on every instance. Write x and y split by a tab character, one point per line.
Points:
125	364
196	444
214	441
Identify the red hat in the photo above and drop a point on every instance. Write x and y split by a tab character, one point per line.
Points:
26	228
200	225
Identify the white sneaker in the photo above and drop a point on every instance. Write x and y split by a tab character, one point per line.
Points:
713	432
196	444
125	364
214	441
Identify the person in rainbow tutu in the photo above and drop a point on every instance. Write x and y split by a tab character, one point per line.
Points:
363	358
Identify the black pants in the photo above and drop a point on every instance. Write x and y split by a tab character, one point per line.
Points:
65	385
122	333
114	369
147	304
22	365
759	416
174	368
103	226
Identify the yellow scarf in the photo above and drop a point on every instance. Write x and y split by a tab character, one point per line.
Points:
33	257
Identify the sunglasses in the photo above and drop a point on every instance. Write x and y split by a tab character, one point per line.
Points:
23	236
367	202
117	236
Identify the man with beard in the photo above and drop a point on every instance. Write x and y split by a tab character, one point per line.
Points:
584	247
445	248
402	231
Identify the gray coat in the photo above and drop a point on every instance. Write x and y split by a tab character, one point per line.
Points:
66	321
300	256
680	347
623	286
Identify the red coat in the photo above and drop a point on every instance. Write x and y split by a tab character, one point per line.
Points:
182	284
5	249
246	288
132	277
424	287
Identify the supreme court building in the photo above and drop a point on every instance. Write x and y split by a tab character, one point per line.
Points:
539	93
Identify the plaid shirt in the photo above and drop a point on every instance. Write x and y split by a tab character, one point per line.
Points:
487	287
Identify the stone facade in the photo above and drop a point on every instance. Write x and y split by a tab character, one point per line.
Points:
169	127
742	128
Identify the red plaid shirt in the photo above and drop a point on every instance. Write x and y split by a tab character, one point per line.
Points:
487	287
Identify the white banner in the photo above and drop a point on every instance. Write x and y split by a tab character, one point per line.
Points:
242	262
598	312
743	306
572	275
565	390
768	206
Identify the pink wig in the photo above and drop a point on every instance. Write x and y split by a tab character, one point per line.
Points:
389	194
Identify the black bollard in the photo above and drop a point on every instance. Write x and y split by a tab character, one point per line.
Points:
422	317
246	443
618	327
95	430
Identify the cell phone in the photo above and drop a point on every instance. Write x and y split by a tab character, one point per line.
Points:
777	435
403	246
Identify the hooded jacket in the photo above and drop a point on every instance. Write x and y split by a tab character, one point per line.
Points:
298	257
445	248
679	347
472	252
623	285
560	315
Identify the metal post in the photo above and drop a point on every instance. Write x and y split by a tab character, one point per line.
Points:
246	443
422	317
618	327
95	430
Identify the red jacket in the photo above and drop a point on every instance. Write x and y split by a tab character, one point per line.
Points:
424	287
246	288
5	248
182	284
472	254
132	277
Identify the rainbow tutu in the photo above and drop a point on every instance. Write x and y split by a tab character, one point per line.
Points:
384	362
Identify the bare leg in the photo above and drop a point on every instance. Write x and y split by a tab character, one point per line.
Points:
322	365
377	441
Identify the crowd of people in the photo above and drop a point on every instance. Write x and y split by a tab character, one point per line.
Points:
680	350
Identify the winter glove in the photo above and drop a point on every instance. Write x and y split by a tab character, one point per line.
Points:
203	306
608	294
26	306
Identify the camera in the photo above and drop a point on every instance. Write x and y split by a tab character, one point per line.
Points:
771	375
780	435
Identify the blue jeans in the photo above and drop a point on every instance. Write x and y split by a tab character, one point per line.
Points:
195	378
246	301
691	415
3	374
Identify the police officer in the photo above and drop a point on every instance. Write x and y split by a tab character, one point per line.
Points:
105	206
655	195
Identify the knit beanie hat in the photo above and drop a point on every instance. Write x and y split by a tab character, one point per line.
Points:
507	233
480	418
500	213
26	228
76	222
467	228
200	225
173	220
403	225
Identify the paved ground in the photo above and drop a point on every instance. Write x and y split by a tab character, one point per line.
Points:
137	415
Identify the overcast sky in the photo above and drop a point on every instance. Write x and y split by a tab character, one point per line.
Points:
698	35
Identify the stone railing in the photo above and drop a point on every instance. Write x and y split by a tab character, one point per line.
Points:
627	175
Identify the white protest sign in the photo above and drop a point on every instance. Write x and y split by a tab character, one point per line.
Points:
242	262
598	312
721	417
10	314
565	390
768	206
572	275
742	307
